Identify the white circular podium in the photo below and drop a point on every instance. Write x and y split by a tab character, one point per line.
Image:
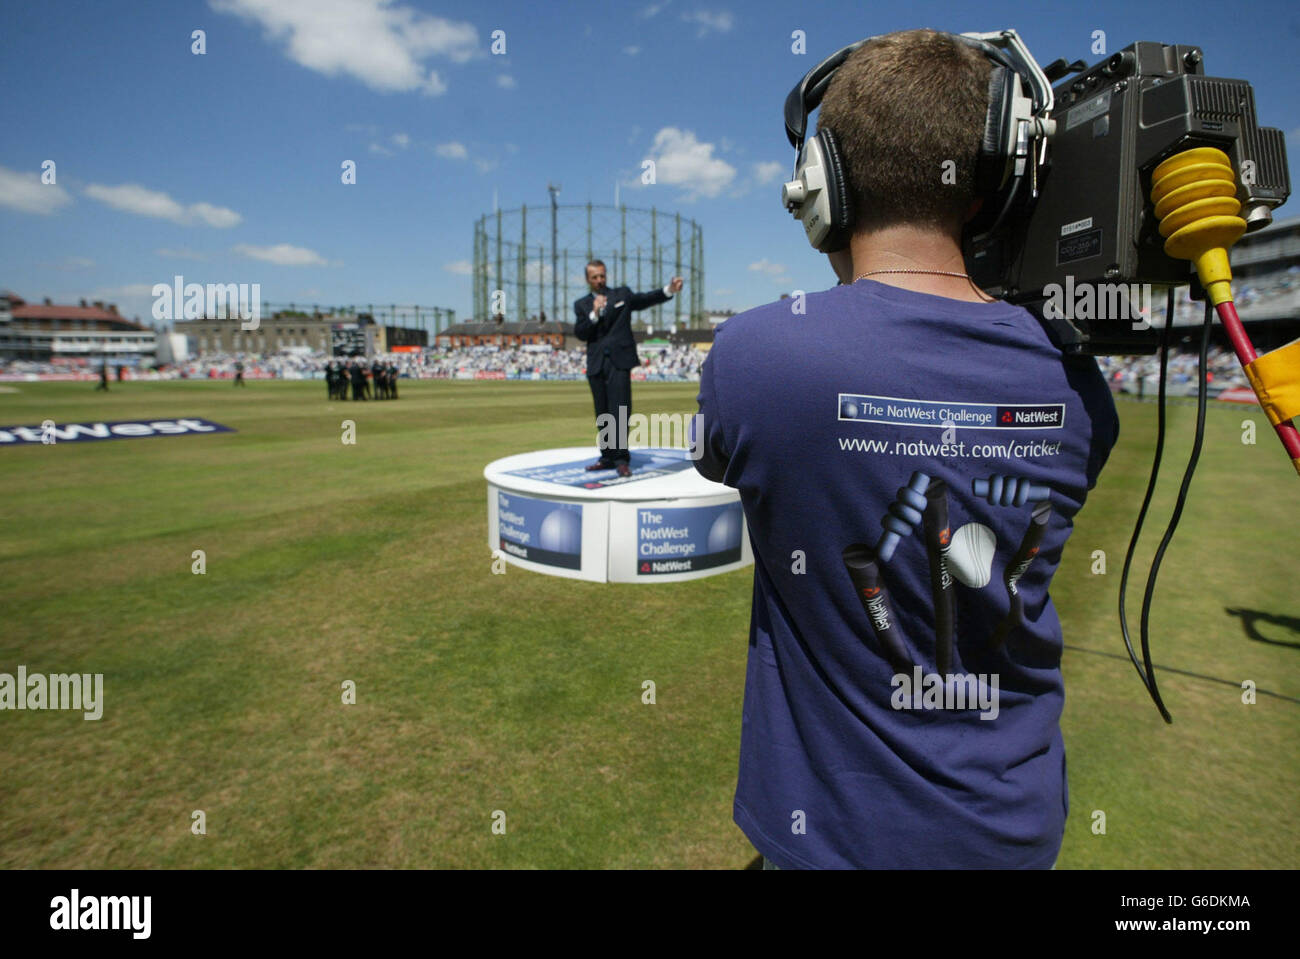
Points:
662	524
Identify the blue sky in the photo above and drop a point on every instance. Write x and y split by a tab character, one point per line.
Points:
225	167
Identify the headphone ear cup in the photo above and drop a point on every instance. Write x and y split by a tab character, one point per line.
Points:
837	192
994	162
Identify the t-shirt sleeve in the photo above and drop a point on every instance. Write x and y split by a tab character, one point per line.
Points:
707	439
1100	404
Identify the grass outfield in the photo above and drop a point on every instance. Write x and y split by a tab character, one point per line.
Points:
478	692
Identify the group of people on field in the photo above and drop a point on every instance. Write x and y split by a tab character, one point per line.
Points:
378	382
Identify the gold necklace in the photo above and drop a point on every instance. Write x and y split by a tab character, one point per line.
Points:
962	276
965	276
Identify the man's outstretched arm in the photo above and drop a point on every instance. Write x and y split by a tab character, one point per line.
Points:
641	301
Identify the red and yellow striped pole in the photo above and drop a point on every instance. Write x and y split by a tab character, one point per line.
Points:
1195	196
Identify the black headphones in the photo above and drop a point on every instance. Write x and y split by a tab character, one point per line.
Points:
1011	151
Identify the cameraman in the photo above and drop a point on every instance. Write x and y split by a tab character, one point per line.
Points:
834	771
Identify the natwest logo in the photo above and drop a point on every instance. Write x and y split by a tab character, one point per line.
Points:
50	433
1032	416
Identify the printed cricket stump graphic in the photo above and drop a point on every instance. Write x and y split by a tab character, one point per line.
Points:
965	555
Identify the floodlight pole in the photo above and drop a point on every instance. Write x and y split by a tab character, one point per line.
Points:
554	190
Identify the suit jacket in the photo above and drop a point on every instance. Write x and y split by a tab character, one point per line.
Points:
611	334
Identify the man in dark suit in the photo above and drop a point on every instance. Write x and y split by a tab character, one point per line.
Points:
358	381
604	323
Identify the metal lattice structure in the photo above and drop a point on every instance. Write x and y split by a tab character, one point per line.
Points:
534	260
433	319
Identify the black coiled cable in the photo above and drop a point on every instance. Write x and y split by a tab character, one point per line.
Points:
1148	675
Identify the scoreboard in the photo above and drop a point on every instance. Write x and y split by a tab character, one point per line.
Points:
348	339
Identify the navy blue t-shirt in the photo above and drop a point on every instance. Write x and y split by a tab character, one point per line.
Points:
903	693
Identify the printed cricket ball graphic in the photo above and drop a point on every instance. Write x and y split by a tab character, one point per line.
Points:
561	531
970	555
724	534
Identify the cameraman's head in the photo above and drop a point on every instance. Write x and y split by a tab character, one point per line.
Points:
908	111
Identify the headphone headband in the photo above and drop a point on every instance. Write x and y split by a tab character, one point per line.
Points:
808	93
1012	148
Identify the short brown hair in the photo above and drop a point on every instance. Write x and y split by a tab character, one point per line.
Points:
901	107
591	263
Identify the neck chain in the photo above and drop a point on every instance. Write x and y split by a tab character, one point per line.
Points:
964	276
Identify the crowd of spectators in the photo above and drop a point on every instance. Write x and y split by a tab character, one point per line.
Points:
1126	374
675	362
1140	375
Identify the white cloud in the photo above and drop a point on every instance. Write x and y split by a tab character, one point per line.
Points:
768	170
217	216
682	160
632	51
774	271
282	255
181	254
506	82
484	166
381	43
402	140
381	150
540	272
133	198
459	267
72	263
129	290
653	9
435	86
452	151
26	193
710	21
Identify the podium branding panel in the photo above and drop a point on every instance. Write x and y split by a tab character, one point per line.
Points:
687	539
540	531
